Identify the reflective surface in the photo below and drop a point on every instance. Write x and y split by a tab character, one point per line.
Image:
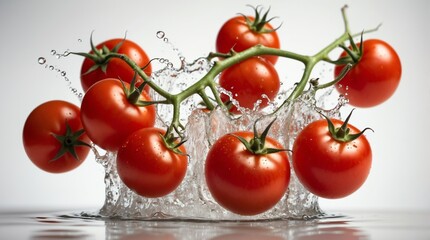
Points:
354	225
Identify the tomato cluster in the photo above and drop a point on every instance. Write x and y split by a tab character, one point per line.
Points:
246	172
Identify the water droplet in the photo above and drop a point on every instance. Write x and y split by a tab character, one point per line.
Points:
79	40
165	39
51	67
63	73
53	52
66	53
41	60
160	34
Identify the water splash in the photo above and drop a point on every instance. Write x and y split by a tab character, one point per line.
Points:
192	199
44	62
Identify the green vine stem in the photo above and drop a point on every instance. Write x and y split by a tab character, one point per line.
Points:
232	58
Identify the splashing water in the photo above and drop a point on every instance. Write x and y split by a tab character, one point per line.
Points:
192	199
44	62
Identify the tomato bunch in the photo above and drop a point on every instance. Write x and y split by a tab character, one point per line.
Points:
117	115
247	172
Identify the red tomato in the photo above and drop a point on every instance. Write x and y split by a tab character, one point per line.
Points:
238	35
329	168
115	68
248	81
147	166
243	182
43	130
108	116
374	78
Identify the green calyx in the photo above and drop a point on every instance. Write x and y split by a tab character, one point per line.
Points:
342	134
257	144
171	143
100	56
68	142
133	93
260	20
354	53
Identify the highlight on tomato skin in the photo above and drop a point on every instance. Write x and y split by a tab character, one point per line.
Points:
243	182
96	68
374	78
109	117
327	167
248	81
148	166
43	137
242	32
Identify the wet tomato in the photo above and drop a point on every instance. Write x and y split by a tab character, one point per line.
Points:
242	32
148	166
53	137
108	115
244	182
250	81
328	167
93	71
374	78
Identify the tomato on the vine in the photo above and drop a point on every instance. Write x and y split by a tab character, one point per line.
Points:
331	163
242	32
150	165
375	76
249	81
243	181
109	114
97	68
53	137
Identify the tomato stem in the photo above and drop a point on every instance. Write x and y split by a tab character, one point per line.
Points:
227	60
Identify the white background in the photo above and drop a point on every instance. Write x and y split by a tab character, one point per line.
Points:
399	178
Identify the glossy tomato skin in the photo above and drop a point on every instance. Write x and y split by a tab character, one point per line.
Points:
248	81
242	182
326	167
108	117
375	78
116	68
237	35
41	126
147	166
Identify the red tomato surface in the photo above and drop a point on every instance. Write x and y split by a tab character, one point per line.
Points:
116	68
147	166
375	78
236	34
248	81
243	182
42	125
109	118
329	168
